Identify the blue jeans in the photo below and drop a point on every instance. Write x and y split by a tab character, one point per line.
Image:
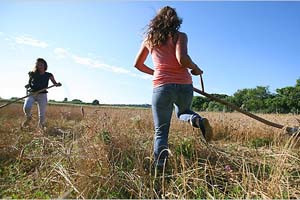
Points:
42	101
163	99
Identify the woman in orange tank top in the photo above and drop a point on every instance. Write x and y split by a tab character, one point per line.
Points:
172	82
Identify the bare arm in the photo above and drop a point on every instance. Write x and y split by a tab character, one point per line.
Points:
182	55
139	62
54	81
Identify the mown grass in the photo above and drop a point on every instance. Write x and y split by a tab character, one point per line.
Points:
106	154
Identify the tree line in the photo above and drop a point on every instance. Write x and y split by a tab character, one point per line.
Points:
77	101
259	99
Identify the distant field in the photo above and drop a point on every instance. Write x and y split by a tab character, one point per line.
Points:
70	103
105	154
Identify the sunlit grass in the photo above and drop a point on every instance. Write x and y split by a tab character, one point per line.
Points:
106	154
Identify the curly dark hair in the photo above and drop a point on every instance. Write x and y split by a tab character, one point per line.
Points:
166	23
40	60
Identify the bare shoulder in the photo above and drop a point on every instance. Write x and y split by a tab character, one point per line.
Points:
182	35
145	44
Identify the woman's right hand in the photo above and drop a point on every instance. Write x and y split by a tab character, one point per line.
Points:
196	71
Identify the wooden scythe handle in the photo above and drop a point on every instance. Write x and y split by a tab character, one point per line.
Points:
11	102
234	107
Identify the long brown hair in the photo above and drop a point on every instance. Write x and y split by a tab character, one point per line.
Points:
40	60
166	23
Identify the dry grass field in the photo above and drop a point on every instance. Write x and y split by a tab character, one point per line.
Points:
105	154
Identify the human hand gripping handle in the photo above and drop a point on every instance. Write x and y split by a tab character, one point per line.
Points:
58	84
196	70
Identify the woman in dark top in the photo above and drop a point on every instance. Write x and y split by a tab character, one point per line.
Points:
38	79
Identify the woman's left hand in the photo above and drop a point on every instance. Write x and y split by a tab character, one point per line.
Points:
197	71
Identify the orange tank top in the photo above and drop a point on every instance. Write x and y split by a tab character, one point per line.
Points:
166	67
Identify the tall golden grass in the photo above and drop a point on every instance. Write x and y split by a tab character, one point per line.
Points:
106	152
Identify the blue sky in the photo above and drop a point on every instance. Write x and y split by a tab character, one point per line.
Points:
90	46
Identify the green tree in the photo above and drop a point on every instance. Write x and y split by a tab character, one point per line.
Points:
77	101
254	99
198	102
240	97
215	107
258	99
289	98
95	102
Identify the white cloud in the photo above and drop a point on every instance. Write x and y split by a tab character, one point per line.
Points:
96	63
61	53
84	60
144	76
26	40
119	70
